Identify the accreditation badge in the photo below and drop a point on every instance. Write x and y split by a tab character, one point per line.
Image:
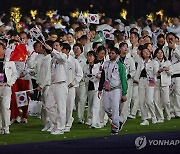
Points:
107	85
1	77
151	82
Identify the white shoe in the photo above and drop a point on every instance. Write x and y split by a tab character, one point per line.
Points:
6	131
18	119
172	115
12	121
168	118
67	129
57	132
88	123
24	120
131	116
45	128
52	129
144	123
160	121
1	131
154	120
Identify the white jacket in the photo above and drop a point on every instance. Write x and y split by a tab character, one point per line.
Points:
44	76
165	75
59	67
152	68
11	72
175	59
74	71
129	64
95	72
82	61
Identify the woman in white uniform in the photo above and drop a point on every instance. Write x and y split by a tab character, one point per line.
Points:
146	77
92	78
161	95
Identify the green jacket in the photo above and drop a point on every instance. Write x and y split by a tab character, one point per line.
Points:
122	72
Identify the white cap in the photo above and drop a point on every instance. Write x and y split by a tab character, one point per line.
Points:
118	20
58	26
1	23
66	18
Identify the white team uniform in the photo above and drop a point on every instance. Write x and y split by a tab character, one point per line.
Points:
146	88
74	76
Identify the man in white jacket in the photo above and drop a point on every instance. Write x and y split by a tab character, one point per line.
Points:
129	64
74	76
8	76
172	53
59	89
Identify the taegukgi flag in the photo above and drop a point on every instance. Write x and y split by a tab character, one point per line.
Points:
21	98
93	18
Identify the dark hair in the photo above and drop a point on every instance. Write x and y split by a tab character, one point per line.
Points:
161	36
156	51
66	46
177	37
84	37
132	29
93	54
170	34
110	43
100	48
122	44
50	43
140	47
80	28
94	45
116	50
79	45
4	47
136	34
37	42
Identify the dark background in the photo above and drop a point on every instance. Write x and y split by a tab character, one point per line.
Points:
112	8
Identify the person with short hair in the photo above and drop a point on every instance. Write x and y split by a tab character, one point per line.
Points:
8	76
113	82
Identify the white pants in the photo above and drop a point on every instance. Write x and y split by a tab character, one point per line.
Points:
81	98
57	104
5	94
161	99
146	96
125	106
176	91
94	108
111	106
44	115
135	100
102	113
69	107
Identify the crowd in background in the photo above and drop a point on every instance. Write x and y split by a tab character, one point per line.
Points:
70	70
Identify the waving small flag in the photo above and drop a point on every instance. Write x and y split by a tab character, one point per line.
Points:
99	38
108	36
82	18
36	33
21	98
93	18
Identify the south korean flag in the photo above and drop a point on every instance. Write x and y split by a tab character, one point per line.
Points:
108	36
93	18
21	98
36	33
